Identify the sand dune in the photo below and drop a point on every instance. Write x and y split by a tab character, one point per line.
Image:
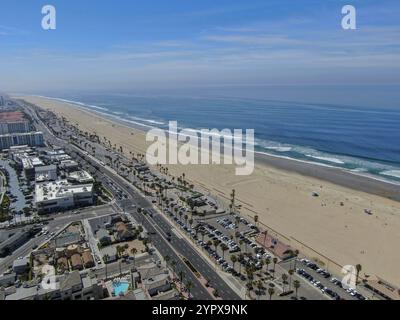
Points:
319	226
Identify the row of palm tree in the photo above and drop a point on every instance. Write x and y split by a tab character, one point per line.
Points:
181	274
161	194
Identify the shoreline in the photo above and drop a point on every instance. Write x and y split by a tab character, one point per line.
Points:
339	176
333	227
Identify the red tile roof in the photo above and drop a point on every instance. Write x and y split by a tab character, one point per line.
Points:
275	246
13	116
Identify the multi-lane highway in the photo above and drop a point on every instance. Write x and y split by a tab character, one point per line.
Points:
157	226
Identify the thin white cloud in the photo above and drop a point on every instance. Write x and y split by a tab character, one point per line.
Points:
266	40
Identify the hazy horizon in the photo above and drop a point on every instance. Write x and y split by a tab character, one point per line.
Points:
276	50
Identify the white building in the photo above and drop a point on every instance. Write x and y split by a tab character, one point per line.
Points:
29	165
61	195
81	177
46	173
68	165
72	286
56	155
31	139
14	127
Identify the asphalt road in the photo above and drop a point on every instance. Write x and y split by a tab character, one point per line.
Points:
185	249
55	225
198	291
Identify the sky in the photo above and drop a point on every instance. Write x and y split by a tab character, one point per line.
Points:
180	44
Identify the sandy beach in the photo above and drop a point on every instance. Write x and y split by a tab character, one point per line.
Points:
332	227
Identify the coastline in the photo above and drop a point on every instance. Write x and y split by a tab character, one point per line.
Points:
344	178
339	176
279	191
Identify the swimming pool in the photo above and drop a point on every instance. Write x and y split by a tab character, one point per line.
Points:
120	287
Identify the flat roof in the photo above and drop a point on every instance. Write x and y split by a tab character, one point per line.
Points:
22	134
12	116
80	175
69	162
29	162
59	189
45	168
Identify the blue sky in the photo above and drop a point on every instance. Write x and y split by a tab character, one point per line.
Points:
118	45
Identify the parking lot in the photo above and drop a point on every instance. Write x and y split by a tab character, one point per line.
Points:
224	239
322	280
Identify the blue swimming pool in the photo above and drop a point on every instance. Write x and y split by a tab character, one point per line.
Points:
120	287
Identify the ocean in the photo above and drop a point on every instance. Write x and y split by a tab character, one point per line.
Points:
362	139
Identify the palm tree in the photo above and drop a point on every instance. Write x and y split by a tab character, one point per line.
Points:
186	219
216	243
271	291
181	277
250	273
274	260
119	249
232	204
284	279
296	285
173	265
256	219
267	263
106	258
241	244
202	235
296	254
224	247
133	252
189	286
240	258
237	219
234	260
358	268
249	287
167	259
290	278
146	242
260	286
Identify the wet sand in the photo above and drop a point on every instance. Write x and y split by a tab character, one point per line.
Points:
332	227
334	175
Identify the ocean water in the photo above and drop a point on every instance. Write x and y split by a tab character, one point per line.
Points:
364	140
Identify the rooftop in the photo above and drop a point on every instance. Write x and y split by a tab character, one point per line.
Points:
81	176
20	262
31	162
13	116
59	189
274	245
45	168
383	287
67	163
